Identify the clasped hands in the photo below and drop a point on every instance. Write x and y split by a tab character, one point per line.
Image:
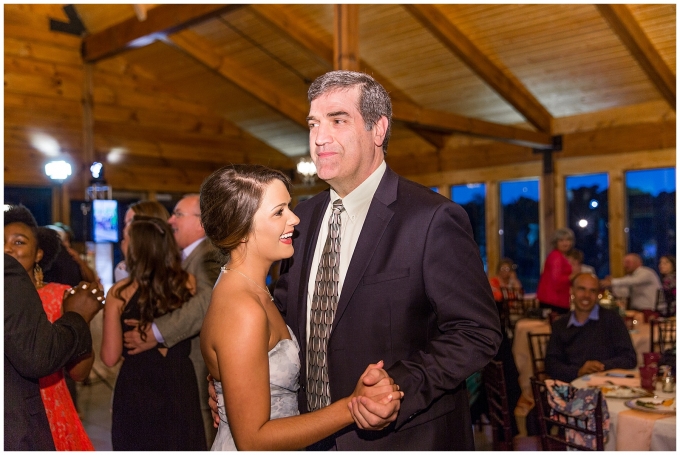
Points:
374	404
376	399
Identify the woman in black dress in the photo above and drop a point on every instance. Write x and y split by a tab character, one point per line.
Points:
155	401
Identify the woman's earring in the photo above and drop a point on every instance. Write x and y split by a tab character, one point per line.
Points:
38	274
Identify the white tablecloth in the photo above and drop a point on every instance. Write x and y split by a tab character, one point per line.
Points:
663	431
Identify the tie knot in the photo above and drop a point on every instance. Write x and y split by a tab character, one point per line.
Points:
337	206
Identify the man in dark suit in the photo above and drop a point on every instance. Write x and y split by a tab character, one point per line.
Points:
413	291
35	348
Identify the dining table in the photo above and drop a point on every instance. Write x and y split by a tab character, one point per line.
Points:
639	334
635	422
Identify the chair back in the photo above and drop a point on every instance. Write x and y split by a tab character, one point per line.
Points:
512	307
662	336
499	410
665	303
538	346
553	425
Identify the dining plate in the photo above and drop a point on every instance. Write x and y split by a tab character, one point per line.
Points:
622	391
657	405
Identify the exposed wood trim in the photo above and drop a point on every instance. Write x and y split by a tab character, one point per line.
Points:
436	138
404	109
623	23
346	37
448	122
509	88
618	246
259	87
88	119
163	19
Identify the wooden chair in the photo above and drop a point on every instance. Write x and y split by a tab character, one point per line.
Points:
553	436
499	412
512	307
662	335
538	346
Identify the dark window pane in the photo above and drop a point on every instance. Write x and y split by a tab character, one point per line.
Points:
519	229
588	217
650	208
472	197
36	199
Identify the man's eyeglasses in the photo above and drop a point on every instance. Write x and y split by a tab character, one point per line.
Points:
177	214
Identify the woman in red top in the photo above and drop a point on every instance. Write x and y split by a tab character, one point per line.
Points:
553	286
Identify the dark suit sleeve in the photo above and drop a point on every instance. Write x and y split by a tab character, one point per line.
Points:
621	346
468	328
35	347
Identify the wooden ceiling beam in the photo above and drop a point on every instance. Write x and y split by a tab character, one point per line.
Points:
163	19
623	23
507	87
346	37
252	83
404	109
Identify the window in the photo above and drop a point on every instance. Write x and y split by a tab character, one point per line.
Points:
650	209
472	197
519	231
588	217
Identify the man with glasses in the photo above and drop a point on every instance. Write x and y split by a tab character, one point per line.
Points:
202	260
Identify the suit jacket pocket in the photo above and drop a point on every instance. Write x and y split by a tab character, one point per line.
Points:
385	276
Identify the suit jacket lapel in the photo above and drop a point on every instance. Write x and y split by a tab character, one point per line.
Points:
378	217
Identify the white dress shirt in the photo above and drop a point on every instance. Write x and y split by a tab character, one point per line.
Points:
352	220
640	287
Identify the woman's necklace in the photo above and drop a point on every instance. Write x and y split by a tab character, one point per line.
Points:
225	268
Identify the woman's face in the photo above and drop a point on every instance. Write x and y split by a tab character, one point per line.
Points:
22	245
564	245
273	224
505	271
665	266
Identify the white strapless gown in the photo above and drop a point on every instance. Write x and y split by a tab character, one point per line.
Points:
284	372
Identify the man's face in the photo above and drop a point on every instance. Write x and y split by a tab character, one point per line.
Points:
629	264
344	153
585	289
186	221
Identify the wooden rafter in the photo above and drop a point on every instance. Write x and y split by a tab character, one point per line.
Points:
259	87
163	19
417	118
346	38
623	23
508	88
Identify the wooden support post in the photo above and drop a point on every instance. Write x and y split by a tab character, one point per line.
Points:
346	38
547	196
492	210
618	238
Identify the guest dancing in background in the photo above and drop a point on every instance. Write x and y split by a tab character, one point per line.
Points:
155	401
26	242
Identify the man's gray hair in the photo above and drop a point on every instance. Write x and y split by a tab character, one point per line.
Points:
374	101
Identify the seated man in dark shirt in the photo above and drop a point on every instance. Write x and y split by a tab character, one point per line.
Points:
590	338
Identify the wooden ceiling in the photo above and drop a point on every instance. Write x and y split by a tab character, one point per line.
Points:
212	84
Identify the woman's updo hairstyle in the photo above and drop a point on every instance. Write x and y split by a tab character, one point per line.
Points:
229	199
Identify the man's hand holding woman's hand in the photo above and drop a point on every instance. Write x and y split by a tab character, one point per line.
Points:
376	399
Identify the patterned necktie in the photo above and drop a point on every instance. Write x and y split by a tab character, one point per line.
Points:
324	303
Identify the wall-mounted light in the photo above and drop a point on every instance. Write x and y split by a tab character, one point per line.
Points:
307	170
58	170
